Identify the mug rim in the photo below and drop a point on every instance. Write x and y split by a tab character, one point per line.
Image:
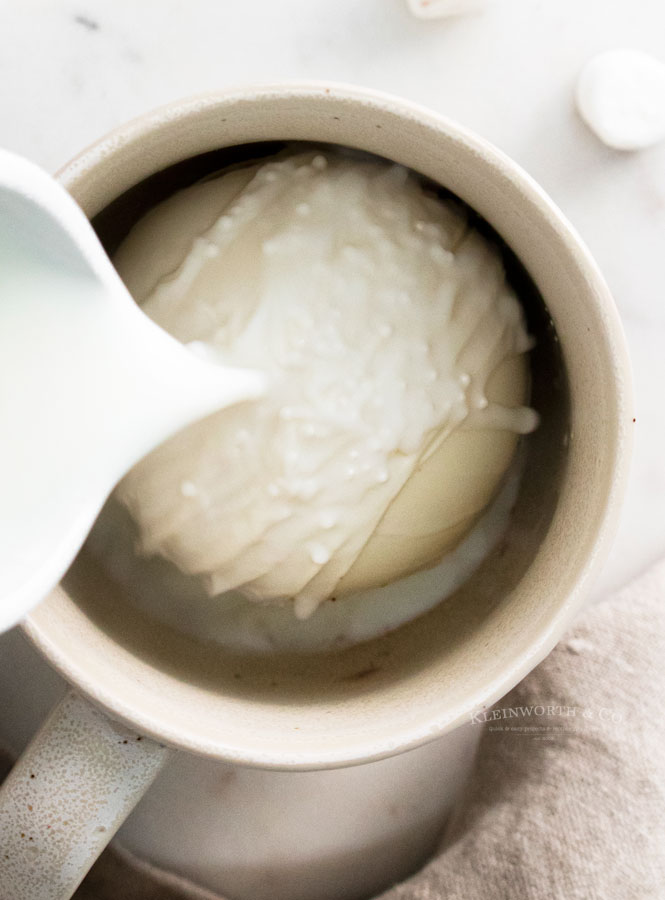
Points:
132	133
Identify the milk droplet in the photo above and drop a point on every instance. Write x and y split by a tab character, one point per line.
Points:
525	420
438	254
188	489
327	519
318	554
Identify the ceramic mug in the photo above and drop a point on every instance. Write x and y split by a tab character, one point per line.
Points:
143	690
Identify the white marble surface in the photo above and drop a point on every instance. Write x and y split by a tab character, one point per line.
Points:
71	70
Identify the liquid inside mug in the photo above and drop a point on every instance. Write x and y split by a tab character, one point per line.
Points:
143	691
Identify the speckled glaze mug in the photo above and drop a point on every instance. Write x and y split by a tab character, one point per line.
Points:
143	690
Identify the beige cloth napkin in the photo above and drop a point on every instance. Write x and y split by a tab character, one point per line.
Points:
578	811
568	796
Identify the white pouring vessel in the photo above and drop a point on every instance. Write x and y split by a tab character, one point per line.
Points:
88	384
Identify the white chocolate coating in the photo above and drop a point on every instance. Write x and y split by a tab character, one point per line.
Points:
394	352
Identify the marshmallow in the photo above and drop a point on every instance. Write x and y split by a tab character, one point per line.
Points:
621	96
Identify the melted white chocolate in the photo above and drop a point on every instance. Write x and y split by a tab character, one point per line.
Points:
394	352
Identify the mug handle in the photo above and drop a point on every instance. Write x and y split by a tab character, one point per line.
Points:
67	795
